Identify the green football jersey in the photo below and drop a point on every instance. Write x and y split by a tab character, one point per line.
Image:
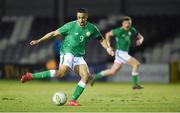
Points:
76	37
123	37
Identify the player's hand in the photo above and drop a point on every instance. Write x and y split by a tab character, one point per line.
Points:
139	42
110	51
34	42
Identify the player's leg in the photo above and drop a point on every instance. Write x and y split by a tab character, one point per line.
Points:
65	65
118	62
108	72
81	69
135	66
66	61
45	74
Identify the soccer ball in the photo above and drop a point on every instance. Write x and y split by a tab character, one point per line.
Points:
59	98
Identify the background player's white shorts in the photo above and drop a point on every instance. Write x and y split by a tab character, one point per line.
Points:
121	56
70	60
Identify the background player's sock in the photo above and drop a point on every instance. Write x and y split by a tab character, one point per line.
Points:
78	91
44	74
98	75
135	78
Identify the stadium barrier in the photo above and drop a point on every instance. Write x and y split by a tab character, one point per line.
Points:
159	73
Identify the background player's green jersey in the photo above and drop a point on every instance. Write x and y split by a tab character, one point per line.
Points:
76	37
123	37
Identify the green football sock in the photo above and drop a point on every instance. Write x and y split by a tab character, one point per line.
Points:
78	91
44	74
98	75
135	78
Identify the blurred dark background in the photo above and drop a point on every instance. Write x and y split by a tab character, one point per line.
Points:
23	20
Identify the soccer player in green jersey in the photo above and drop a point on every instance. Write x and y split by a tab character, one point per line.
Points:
76	34
123	37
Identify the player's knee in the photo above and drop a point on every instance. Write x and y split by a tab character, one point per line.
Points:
138	64
112	72
85	77
135	65
60	73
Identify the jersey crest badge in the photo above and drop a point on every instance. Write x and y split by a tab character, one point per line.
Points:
129	33
88	34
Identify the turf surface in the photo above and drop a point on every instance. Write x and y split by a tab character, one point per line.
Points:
104	97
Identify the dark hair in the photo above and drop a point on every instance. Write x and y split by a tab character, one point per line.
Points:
126	18
82	10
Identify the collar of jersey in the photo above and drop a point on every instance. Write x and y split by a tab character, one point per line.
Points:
124	29
81	26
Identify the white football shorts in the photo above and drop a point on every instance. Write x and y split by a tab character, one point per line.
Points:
70	60
121	56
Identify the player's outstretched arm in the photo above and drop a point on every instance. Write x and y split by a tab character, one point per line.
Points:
139	40
106	46
108	35
45	37
106	41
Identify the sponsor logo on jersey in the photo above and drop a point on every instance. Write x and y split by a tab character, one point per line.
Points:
76	33
127	38
123	35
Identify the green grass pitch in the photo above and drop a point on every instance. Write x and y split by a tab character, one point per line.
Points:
36	96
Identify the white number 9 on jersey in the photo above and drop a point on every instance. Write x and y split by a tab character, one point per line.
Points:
81	38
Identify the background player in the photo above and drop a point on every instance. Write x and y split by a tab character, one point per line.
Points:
76	34
123	37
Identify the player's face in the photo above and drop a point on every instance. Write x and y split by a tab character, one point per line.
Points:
82	18
127	24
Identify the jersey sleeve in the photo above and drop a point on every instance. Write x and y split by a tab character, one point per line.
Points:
64	29
114	31
135	32
97	34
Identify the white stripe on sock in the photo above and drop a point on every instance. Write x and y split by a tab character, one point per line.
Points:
52	73
102	73
82	84
135	73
